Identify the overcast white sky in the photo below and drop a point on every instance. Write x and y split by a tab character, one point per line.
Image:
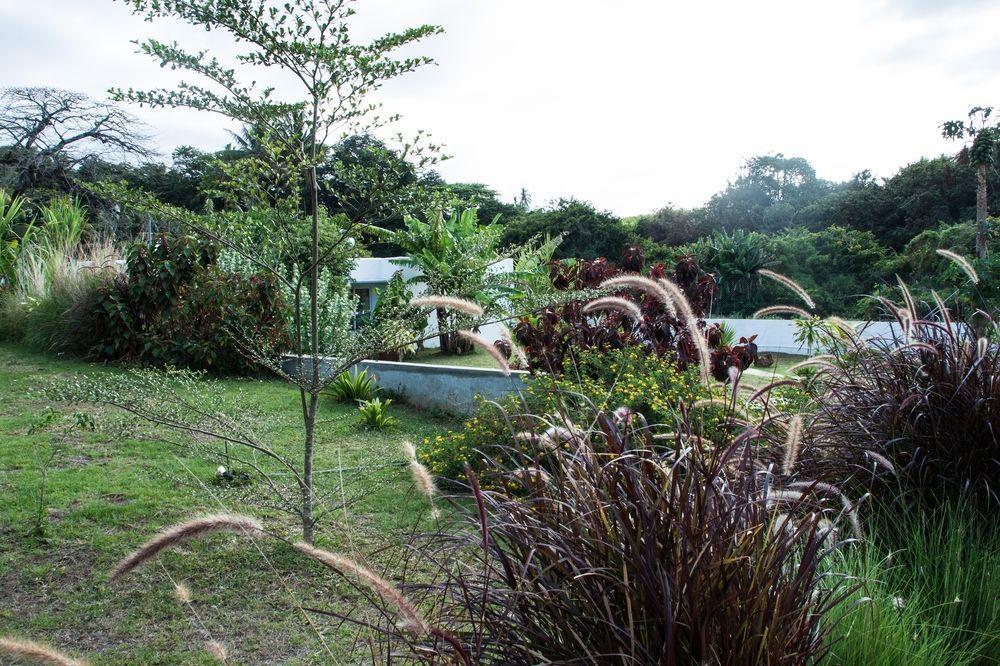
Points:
629	104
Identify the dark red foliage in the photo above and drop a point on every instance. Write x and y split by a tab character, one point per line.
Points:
550	337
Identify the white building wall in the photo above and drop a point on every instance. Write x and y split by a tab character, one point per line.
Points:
375	272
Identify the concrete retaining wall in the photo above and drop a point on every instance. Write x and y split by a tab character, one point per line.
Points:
778	335
453	388
449	388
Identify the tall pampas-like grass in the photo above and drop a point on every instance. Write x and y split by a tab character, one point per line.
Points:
911	304
793	441
961	262
517	352
448	303
781	309
617	304
177	534
691	322
182	593
790	284
823	360
35	653
845	327
645	284
422	477
389	593
217	650
488	347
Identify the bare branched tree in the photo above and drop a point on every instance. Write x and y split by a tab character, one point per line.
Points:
48	131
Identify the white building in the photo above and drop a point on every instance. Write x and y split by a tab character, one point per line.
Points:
372	274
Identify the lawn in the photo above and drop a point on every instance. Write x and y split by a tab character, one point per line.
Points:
474	359
105	493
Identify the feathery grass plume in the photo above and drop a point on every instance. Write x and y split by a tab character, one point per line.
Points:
911	305
793	440
179	533
942	309
845	327
821	359
531	474
217	650
781	309
651	287
982	346
778	495
35	653
448	303
516	350
487	347
790	283
557	435
409	450
710	402
881	460
767	388
423	479
183	593
691	322
849	508
389	594
961	262
922	346
616	303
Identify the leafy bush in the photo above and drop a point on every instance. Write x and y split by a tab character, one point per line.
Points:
375	413
627	377
352	386
174	307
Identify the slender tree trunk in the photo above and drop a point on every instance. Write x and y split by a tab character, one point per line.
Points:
981	231
444	338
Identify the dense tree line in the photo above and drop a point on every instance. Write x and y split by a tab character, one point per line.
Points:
844	240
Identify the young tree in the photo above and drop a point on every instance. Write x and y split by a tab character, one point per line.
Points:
311	42
982	153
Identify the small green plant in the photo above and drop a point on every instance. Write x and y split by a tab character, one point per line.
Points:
353	386
375	413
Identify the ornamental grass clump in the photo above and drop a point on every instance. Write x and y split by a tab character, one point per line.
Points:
612	549
926	402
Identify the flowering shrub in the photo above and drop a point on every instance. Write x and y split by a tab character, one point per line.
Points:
652	385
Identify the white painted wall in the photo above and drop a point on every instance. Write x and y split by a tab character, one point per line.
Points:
778	335
375	272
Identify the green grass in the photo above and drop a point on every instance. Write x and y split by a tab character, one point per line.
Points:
475	359
106	493
929	592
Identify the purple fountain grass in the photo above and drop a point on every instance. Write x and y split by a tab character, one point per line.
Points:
691	322
177	534
517	352
793	440
961	262
781	309
35	653
448	303
217	650
488	347
790	284
617	304
645	284
389	593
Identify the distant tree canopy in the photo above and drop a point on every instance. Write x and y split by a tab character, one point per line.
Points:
589	233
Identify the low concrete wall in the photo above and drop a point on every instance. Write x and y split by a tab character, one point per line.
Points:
778	335
451	389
